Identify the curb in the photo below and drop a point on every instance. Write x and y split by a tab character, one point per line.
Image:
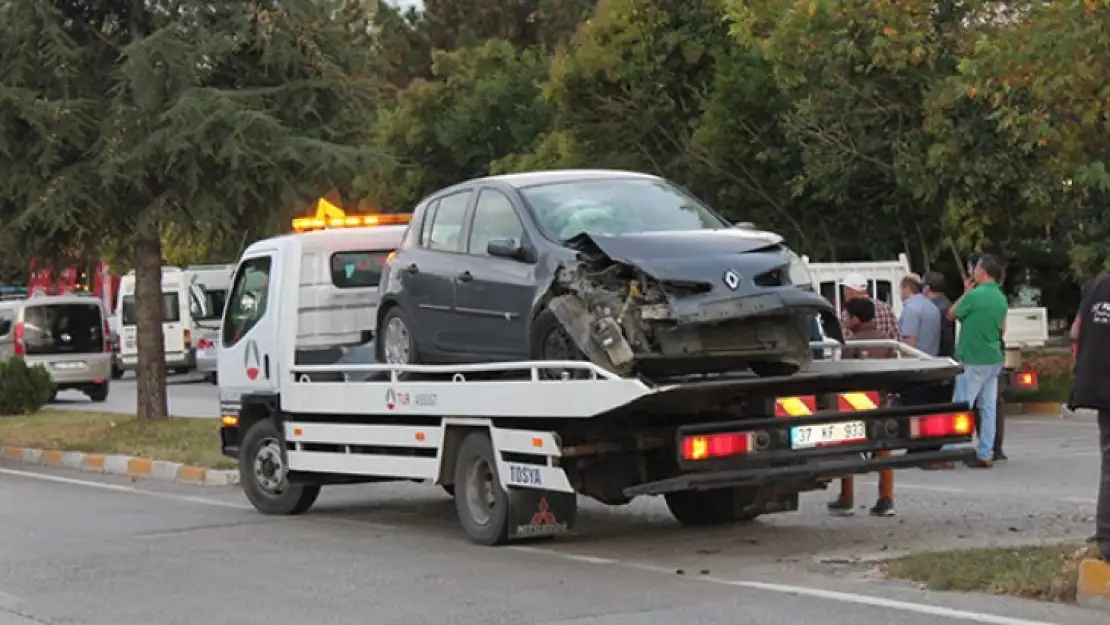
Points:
122	465
1093	590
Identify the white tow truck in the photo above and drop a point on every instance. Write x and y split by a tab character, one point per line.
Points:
515	444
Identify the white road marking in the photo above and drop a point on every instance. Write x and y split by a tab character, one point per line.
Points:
805	591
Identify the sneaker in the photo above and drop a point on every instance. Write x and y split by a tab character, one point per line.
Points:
841	508
979	463
1000	457
883	507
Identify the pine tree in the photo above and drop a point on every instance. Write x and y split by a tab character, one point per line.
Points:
121	117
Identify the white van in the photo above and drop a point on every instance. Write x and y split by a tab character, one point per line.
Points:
65	334
182	299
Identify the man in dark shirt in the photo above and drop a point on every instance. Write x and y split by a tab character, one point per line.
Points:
1091	388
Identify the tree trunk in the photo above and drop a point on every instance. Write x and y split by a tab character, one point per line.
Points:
151	371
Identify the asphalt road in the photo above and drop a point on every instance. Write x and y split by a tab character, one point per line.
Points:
189	396
81	548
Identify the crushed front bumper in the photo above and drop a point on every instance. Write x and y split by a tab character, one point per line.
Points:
780	301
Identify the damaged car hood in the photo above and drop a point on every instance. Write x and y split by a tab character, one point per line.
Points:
677	255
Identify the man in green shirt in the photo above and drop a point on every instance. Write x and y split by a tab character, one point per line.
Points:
982	316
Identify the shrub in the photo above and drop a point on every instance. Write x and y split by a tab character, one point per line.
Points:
23	389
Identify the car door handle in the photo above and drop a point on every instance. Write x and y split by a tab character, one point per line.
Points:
464	277
412	269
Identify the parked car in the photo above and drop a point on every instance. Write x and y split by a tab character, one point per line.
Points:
65	334
206	354
625	269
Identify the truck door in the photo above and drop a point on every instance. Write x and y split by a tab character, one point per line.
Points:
248	336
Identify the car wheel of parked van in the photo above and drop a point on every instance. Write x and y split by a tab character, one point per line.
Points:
395	345
98	392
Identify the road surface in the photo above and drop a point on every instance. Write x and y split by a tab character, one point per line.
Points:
88	549
189	396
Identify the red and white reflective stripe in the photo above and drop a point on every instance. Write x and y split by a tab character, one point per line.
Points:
858	401
801	406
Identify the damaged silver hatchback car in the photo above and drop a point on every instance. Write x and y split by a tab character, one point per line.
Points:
625	269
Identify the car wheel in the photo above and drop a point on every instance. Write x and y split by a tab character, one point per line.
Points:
550	341
98	392
117	373
263	474
395	344
712	507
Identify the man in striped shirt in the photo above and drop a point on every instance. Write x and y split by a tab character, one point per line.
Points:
855	286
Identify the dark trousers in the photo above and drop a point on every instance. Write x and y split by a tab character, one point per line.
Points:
1102	509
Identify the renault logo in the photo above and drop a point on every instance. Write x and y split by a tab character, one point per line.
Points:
732	280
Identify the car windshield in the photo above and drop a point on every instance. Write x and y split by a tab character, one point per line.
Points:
616	206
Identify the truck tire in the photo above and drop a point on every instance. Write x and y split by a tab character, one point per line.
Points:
711	507
480	501
262	473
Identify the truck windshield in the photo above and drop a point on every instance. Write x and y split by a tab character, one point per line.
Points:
616	206
171	308
63	329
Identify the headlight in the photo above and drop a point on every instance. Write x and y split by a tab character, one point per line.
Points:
799	272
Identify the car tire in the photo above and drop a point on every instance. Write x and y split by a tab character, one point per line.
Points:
396	314
697	508
476	482
212	378
117	373
181	371
98	392
262	444
543	325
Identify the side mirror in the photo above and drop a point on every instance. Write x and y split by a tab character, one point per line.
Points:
744	224
506	248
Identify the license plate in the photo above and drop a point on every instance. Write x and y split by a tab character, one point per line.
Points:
807	436
69	366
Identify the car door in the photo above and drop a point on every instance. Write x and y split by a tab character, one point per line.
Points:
493	296
248	335
428	271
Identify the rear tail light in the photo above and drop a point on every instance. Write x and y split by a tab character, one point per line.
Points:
204	344
1024	380
188	337
709	446
942	425
20	346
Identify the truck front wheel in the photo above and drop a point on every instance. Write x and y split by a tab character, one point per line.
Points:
482	504
712	507
263	474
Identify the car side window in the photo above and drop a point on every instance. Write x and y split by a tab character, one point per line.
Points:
5	323
494	218
247	304
426	223
447	223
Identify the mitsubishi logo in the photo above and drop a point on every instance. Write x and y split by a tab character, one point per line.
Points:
732	280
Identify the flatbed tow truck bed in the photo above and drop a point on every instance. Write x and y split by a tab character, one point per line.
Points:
516	448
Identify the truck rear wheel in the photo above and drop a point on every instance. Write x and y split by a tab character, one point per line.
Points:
480	501
263	474
712	507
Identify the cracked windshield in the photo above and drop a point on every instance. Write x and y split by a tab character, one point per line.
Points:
554	312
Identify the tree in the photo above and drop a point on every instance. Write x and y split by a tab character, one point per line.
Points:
119	118
481	105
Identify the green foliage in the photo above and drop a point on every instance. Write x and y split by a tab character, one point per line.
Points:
23	389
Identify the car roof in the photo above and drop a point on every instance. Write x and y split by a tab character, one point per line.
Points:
530	178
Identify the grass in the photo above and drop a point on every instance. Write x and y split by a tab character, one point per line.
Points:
190	441
1045	573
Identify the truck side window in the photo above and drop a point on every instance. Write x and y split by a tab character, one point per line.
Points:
249	297
5	324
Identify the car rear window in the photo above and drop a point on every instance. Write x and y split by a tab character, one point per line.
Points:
357	270
171	306
63	329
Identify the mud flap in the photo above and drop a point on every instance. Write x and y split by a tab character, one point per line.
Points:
534	513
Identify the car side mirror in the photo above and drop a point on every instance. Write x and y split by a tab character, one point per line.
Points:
744	224
506	248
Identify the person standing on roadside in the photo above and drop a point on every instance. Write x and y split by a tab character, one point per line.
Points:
981	312
934	290
860	319
855	287
1091	389
920	323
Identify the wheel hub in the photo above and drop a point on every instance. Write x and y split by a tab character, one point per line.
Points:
480	498
269	468
395	343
